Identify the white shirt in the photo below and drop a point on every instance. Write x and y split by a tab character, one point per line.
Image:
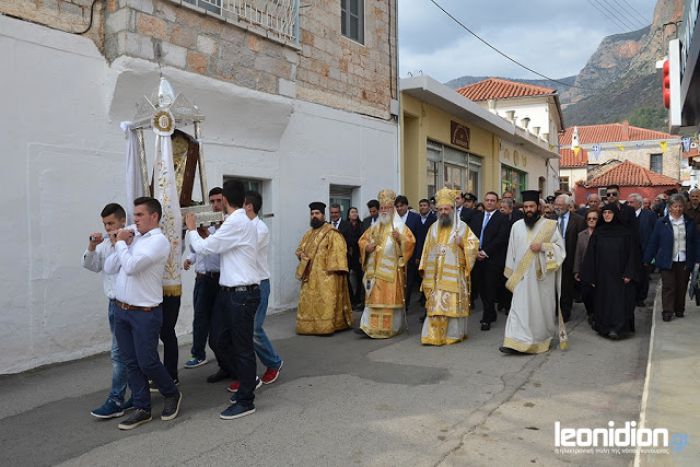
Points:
94	261
679	234
263	247
638	211
404	217
205	263
236	242
333	223
140	268
423	218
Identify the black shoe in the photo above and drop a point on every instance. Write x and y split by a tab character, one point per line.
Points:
612	335
509	351
641	304
566	315
667	316
171	407
358	330
485	326
220	375
137	418
679	314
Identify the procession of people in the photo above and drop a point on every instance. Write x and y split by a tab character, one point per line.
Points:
526	259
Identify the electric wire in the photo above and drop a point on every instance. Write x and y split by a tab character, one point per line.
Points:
637	13
622	14
609	16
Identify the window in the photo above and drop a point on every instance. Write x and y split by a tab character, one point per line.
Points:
449	167
251	184
656	163
564	183
512	180
352	19
210	5
342	195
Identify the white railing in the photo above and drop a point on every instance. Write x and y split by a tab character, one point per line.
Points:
278	18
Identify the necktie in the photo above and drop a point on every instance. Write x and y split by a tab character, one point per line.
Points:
335	225
561	226
487	217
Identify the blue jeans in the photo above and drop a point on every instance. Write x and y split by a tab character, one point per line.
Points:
235	339
204	296
137	334
118	390
263	347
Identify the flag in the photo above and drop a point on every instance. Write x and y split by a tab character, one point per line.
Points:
685	141
596	151
576	150
620	147
165	191
134	182
663	145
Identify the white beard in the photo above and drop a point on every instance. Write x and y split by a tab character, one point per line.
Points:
384	219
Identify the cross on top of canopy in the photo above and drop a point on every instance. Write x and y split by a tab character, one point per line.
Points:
163	98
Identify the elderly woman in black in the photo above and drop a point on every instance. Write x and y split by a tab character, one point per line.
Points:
674	248
610	266
581	246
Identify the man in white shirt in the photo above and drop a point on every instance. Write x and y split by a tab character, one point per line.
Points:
236	243
99	248
263	347
139	261
206	287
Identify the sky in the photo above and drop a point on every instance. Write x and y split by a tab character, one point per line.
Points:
554	37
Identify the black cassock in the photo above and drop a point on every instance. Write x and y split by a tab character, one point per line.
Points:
612	254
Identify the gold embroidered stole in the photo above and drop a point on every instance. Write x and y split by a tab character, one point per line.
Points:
442	269
384	261
545	233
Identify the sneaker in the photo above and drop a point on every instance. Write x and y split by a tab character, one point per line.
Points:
236	411
109	409
171	407
139	417
271	374
194	362
233	387
153	388
220	375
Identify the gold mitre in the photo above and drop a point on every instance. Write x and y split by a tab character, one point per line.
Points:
386	197
446	196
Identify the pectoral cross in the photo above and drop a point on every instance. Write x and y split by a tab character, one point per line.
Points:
550	255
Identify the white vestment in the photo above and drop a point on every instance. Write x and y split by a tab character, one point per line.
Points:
532	320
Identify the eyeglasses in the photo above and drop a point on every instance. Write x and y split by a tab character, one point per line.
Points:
609	195
592	219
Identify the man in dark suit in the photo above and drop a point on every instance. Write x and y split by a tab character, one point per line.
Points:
492	228
592	202
341	225
427	217
507	209
413	222
373	207
570	225
627	215
646	220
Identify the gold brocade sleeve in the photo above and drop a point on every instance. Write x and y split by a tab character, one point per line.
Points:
303	243
470	244
337	260
408	243
365	240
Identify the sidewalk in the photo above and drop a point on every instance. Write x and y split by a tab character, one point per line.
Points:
671	397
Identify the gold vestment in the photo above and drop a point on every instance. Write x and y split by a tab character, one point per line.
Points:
324	301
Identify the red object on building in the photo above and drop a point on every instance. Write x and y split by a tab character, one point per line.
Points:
666	84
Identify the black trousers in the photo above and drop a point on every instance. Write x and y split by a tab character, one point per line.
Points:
488	278
171	310
566	300
412	279
587	296
235	340
674	285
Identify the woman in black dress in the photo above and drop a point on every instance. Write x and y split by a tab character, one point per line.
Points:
610	266
354	232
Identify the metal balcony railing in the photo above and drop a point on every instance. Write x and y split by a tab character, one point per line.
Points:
279	19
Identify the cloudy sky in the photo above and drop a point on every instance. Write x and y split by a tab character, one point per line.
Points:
554	37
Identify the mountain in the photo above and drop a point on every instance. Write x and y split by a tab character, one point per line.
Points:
620	80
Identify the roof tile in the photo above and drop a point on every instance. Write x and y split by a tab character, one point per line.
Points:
631	174
569	159
612	132
496	88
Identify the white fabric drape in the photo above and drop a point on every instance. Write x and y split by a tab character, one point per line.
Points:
165	191
134	184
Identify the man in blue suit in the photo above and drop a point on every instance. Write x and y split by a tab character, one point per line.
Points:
646	220
412	221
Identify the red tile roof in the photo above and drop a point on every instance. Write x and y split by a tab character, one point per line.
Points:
496	88
613	132
569	159
630	174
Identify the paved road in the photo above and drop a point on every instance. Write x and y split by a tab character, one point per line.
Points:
347	400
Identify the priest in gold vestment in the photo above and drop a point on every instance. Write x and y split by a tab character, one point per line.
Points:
449	254
324	301
384	250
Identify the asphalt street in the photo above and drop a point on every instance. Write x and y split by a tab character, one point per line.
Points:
347	400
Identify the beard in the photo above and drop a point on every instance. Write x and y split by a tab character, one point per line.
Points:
385	218
316	223
445	220
531	218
